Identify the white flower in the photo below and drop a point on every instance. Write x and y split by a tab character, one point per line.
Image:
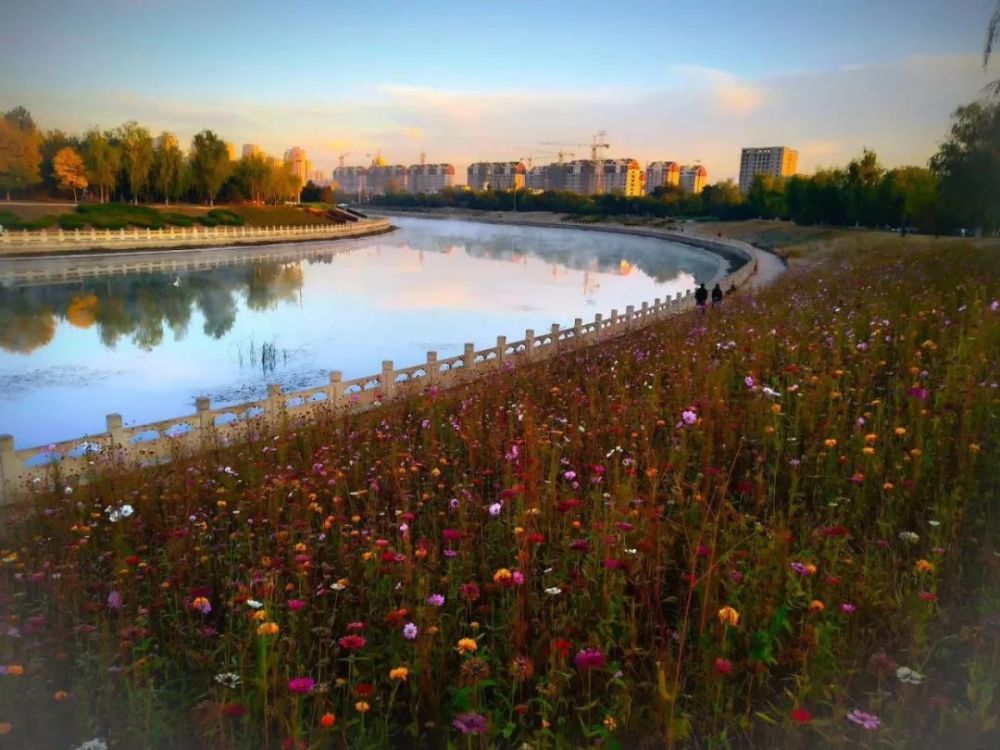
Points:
770	392
228	679
909	536
553	591
337	586
495	509
254	604
630	550
95	744
935	524
909	676
122	511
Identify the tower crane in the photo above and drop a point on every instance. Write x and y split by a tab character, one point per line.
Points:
598	142
341	156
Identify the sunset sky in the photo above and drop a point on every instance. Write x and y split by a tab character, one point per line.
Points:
477	80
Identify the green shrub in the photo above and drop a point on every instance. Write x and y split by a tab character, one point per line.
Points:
208	221
178	220
226	218
72	221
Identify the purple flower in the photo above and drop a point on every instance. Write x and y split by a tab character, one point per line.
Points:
115	600
590	658
435	600
470	723
921	394
495	509
869	721
799	568
301	684
689	417
569	475
410	631
847	608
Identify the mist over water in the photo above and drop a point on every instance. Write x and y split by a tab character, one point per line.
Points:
146	344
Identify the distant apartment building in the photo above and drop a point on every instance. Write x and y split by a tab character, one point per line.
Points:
496	175
776	161
661	173
537	178
693	178
165	139
431	178
579	176
621	177
318	177
251	150
387	178
300	165
231	151
352	180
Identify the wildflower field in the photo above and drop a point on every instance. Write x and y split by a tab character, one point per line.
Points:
772	525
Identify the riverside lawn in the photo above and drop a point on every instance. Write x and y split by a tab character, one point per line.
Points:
773	525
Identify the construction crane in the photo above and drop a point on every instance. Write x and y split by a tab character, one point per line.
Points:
341	156
530	158
598	141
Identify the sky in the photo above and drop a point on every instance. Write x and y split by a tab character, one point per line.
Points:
482	80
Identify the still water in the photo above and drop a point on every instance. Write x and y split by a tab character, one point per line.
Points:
145	344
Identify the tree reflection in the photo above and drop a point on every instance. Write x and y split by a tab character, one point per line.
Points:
142	306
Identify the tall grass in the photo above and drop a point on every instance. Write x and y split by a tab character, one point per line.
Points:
773	525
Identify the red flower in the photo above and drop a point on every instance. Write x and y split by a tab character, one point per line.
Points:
723	666
536	538
364	690
562	646
352	642
801	715
567	505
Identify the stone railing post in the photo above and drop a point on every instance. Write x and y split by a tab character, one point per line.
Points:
115	432
335	391
555	337
598	324
645	310
387	380
10	469
577	328
469	358
501	349
614	321
629	316
529	343
431	369
206	422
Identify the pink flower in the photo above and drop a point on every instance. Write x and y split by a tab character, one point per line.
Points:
847	608
296	604
301	684
590	658
689	417
723	666
351	642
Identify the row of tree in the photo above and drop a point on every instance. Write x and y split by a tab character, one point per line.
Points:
960	188
126	163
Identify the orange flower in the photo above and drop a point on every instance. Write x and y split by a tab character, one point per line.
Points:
816	605
467	646
268	628
6	728
830	442
502	576
924	566
729	616
362	707
15	670
60	695
327	720
399	673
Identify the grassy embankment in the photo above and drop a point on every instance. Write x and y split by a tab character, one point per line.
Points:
774	525
124	215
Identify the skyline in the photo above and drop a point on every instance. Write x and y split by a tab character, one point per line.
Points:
675	83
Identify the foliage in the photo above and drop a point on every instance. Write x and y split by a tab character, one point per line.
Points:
169	170
103	159
137	157
736	529
209	164
69	169
968	164
20	154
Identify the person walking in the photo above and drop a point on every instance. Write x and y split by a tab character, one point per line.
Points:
716	295
701	297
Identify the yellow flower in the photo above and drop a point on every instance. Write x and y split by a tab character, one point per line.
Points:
888	486
816	605
924	566
610	723
868	450
362	707
502	576
399	673
974	448
467	646
916	452
268	628
900	431
830	443
729	616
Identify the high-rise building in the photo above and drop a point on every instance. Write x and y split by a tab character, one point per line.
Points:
431	178
621	177
578	176
318	177
776	161
660	173
252	149
296	158
231	151
693	178
352	180
387	178
165	139
496	175
537	178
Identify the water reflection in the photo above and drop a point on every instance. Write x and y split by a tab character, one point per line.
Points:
104	335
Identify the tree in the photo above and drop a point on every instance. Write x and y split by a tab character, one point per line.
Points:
69	170
992	38
52	143
251	173
20	154
968	164
864	175
209	164
168	169
137	156
766	197
103	160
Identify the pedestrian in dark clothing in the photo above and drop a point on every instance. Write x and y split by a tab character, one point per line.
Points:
701	297
716	295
